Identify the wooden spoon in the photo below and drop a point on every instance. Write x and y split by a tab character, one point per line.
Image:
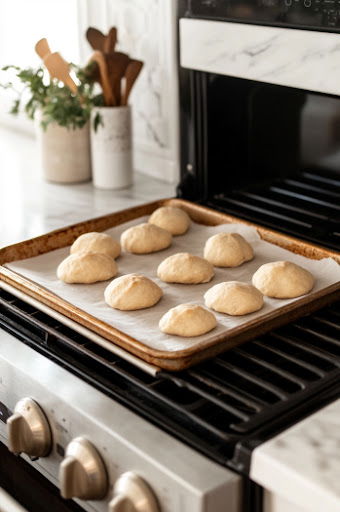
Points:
131	74
104	80
59	68
110	40
117	63
42	48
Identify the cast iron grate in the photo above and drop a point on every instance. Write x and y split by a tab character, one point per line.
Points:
220	407
307	206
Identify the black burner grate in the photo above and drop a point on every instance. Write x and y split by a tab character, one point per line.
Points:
307	206
223	407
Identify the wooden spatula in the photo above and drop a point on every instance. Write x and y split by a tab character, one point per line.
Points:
59	68
132	71
100	41
117	63
104	80
96	38
42	48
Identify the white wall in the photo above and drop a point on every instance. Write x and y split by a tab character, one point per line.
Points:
147	31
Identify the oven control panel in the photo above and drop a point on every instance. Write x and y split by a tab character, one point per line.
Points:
97	452
314	14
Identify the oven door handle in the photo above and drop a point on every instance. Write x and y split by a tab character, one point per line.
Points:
9	504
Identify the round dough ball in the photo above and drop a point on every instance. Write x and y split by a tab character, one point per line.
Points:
234	298
283	280
132	291
185	268
87	267
175	220
96	242
227	250
145	238
187	320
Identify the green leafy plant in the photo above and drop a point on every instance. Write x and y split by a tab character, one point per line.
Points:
54	100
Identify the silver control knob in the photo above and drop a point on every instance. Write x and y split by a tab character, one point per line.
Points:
132	494
82	473
28	430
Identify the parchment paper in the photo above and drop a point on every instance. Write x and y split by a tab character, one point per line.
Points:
143	324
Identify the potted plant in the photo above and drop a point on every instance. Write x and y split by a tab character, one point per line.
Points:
61	117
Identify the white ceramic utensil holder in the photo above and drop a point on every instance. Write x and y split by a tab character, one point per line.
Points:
111	148
65	153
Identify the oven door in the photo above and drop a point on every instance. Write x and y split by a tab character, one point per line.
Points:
9	504
260	125
23	488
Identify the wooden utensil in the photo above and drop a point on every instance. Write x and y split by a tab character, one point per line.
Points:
42	48
132	71
104	80
117	64
110	40
101	42
96	38
59	68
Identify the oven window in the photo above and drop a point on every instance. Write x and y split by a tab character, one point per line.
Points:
258	132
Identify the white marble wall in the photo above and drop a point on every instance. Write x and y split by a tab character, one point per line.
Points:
147	31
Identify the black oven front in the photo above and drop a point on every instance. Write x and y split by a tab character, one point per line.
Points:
263	151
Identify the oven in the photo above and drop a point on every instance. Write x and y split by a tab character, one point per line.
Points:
260	112
89	429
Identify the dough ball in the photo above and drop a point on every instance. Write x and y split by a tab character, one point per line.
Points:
96	242
175	220
283	280
145	238
132	291
227	250
87	267
234	298
185	268
187	320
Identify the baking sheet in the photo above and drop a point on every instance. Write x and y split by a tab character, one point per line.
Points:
143	324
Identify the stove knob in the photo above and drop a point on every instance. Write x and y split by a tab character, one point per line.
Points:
132	494
82	473
28	430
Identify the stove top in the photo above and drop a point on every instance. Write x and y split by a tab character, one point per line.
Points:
224	407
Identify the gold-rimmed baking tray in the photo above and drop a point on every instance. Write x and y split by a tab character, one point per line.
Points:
176	359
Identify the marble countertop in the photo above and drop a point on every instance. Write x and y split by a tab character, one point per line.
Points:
29	206
302	464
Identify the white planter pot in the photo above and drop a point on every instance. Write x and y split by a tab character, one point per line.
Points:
111	148
65	153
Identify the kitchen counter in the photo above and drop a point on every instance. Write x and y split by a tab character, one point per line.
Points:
29	206
302	465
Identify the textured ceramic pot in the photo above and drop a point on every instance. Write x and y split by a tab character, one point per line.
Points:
65	153
111	148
